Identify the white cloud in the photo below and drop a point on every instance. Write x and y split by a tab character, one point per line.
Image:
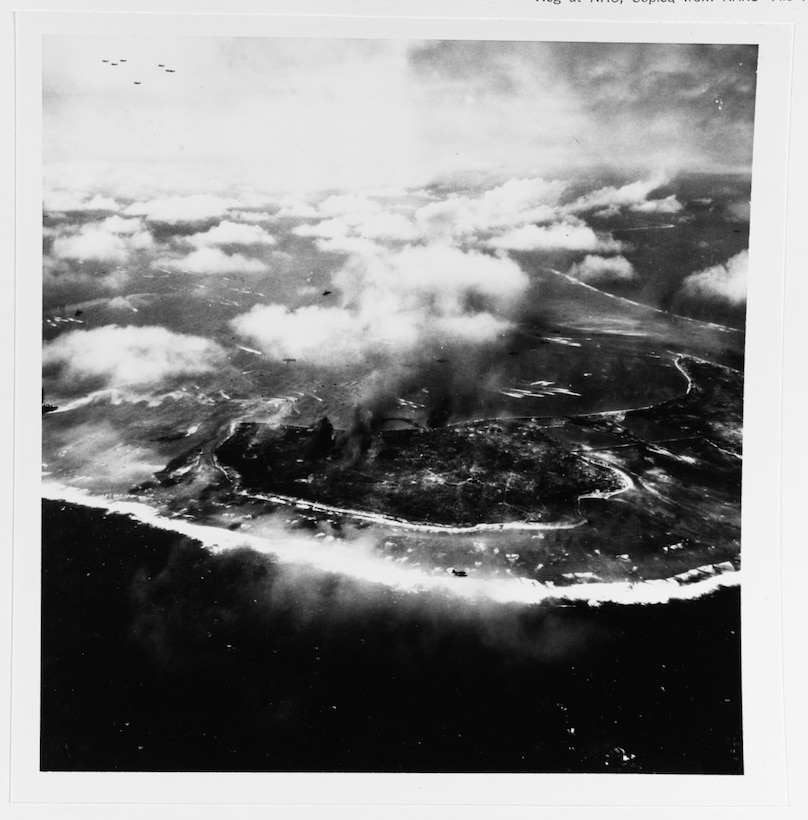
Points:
516	202
251	216
393	306
739	210
603	269
447	272
296	209
130	356
141	241
348	204
232	233
60	200
668	205
119	225
438	279
520	200
327	229
355	245
723	283
112	240
471	328
388	226
609	211
382	225
175	209
566	236
331	114
351	215
323	336
628	196
214	260
92	243
449	217
333	336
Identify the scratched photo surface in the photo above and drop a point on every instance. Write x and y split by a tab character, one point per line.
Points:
392	404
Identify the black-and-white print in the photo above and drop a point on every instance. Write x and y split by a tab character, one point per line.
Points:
392	404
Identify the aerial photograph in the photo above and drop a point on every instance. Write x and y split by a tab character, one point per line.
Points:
392	404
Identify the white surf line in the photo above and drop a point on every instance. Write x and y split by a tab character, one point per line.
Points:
678	363
403	523
706	361
654	591
575	281
352	562
623	411
722	450
690	382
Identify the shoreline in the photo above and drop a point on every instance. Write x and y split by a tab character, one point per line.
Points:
289	548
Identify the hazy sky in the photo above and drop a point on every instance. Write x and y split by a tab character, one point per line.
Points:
301	115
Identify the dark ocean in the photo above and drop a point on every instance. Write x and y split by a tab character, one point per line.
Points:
160	655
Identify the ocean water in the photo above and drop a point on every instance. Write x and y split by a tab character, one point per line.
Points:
160	654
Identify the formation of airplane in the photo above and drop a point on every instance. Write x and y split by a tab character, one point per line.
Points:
139	82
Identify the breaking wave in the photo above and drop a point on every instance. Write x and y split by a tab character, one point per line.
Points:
352	560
